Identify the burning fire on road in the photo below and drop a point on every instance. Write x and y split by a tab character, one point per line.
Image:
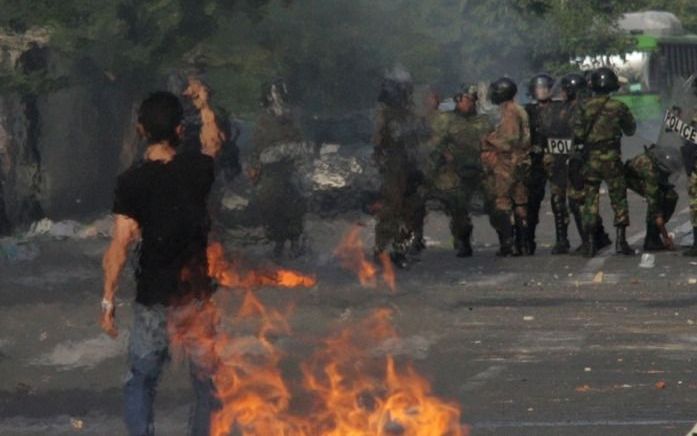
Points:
347	387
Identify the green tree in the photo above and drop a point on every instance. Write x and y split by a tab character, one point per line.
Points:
333	53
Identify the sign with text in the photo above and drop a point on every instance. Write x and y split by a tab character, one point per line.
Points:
674	123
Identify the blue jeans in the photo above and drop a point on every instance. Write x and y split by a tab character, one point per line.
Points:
148	351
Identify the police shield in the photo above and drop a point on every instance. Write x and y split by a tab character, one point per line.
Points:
675	130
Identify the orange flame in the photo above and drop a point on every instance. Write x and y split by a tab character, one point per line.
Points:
388	271
229	274
349	390
351	255
353	401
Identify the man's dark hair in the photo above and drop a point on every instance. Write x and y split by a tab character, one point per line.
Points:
160	114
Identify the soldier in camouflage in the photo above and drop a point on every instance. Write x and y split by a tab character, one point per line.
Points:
416	185
648	175
599	126
396	139
273	169
574	89
555	135
540	91
455	166
506	162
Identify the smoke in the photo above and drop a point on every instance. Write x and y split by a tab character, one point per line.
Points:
399	74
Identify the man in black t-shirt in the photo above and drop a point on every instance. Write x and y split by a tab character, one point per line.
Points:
161	200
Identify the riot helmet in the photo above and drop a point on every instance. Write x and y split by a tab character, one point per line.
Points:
540	87
604	81
502	90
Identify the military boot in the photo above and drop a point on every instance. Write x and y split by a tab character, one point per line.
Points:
516	239
399	260
530	239
621	245
602	239
522	238
562	245
416	243
504	229
464	245
590	247
578	220
652	241
528	242
417	246
505	245
692	251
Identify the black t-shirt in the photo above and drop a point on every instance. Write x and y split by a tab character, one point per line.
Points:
168	201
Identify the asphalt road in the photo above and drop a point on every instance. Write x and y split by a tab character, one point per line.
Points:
544	345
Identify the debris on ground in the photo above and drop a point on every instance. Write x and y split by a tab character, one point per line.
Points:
583	389
77	424
648	260
599	277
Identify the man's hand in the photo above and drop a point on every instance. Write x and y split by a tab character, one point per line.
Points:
668	243
108	319
667	240
126	230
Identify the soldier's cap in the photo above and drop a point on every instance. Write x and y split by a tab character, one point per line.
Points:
467	90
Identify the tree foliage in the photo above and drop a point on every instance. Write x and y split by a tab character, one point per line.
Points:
333	53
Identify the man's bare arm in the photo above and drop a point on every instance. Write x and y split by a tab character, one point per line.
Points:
126	231
212	136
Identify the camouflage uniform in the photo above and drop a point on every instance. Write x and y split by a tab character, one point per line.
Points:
556	124
505	181
396	140
415	201
279	199
600	123
563	172
692	196
453	182
645	177
537	179
510	141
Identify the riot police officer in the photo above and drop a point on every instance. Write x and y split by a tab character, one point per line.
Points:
540	91
648	174
396	139
599	126
454	163
562	162
279	196
506	162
